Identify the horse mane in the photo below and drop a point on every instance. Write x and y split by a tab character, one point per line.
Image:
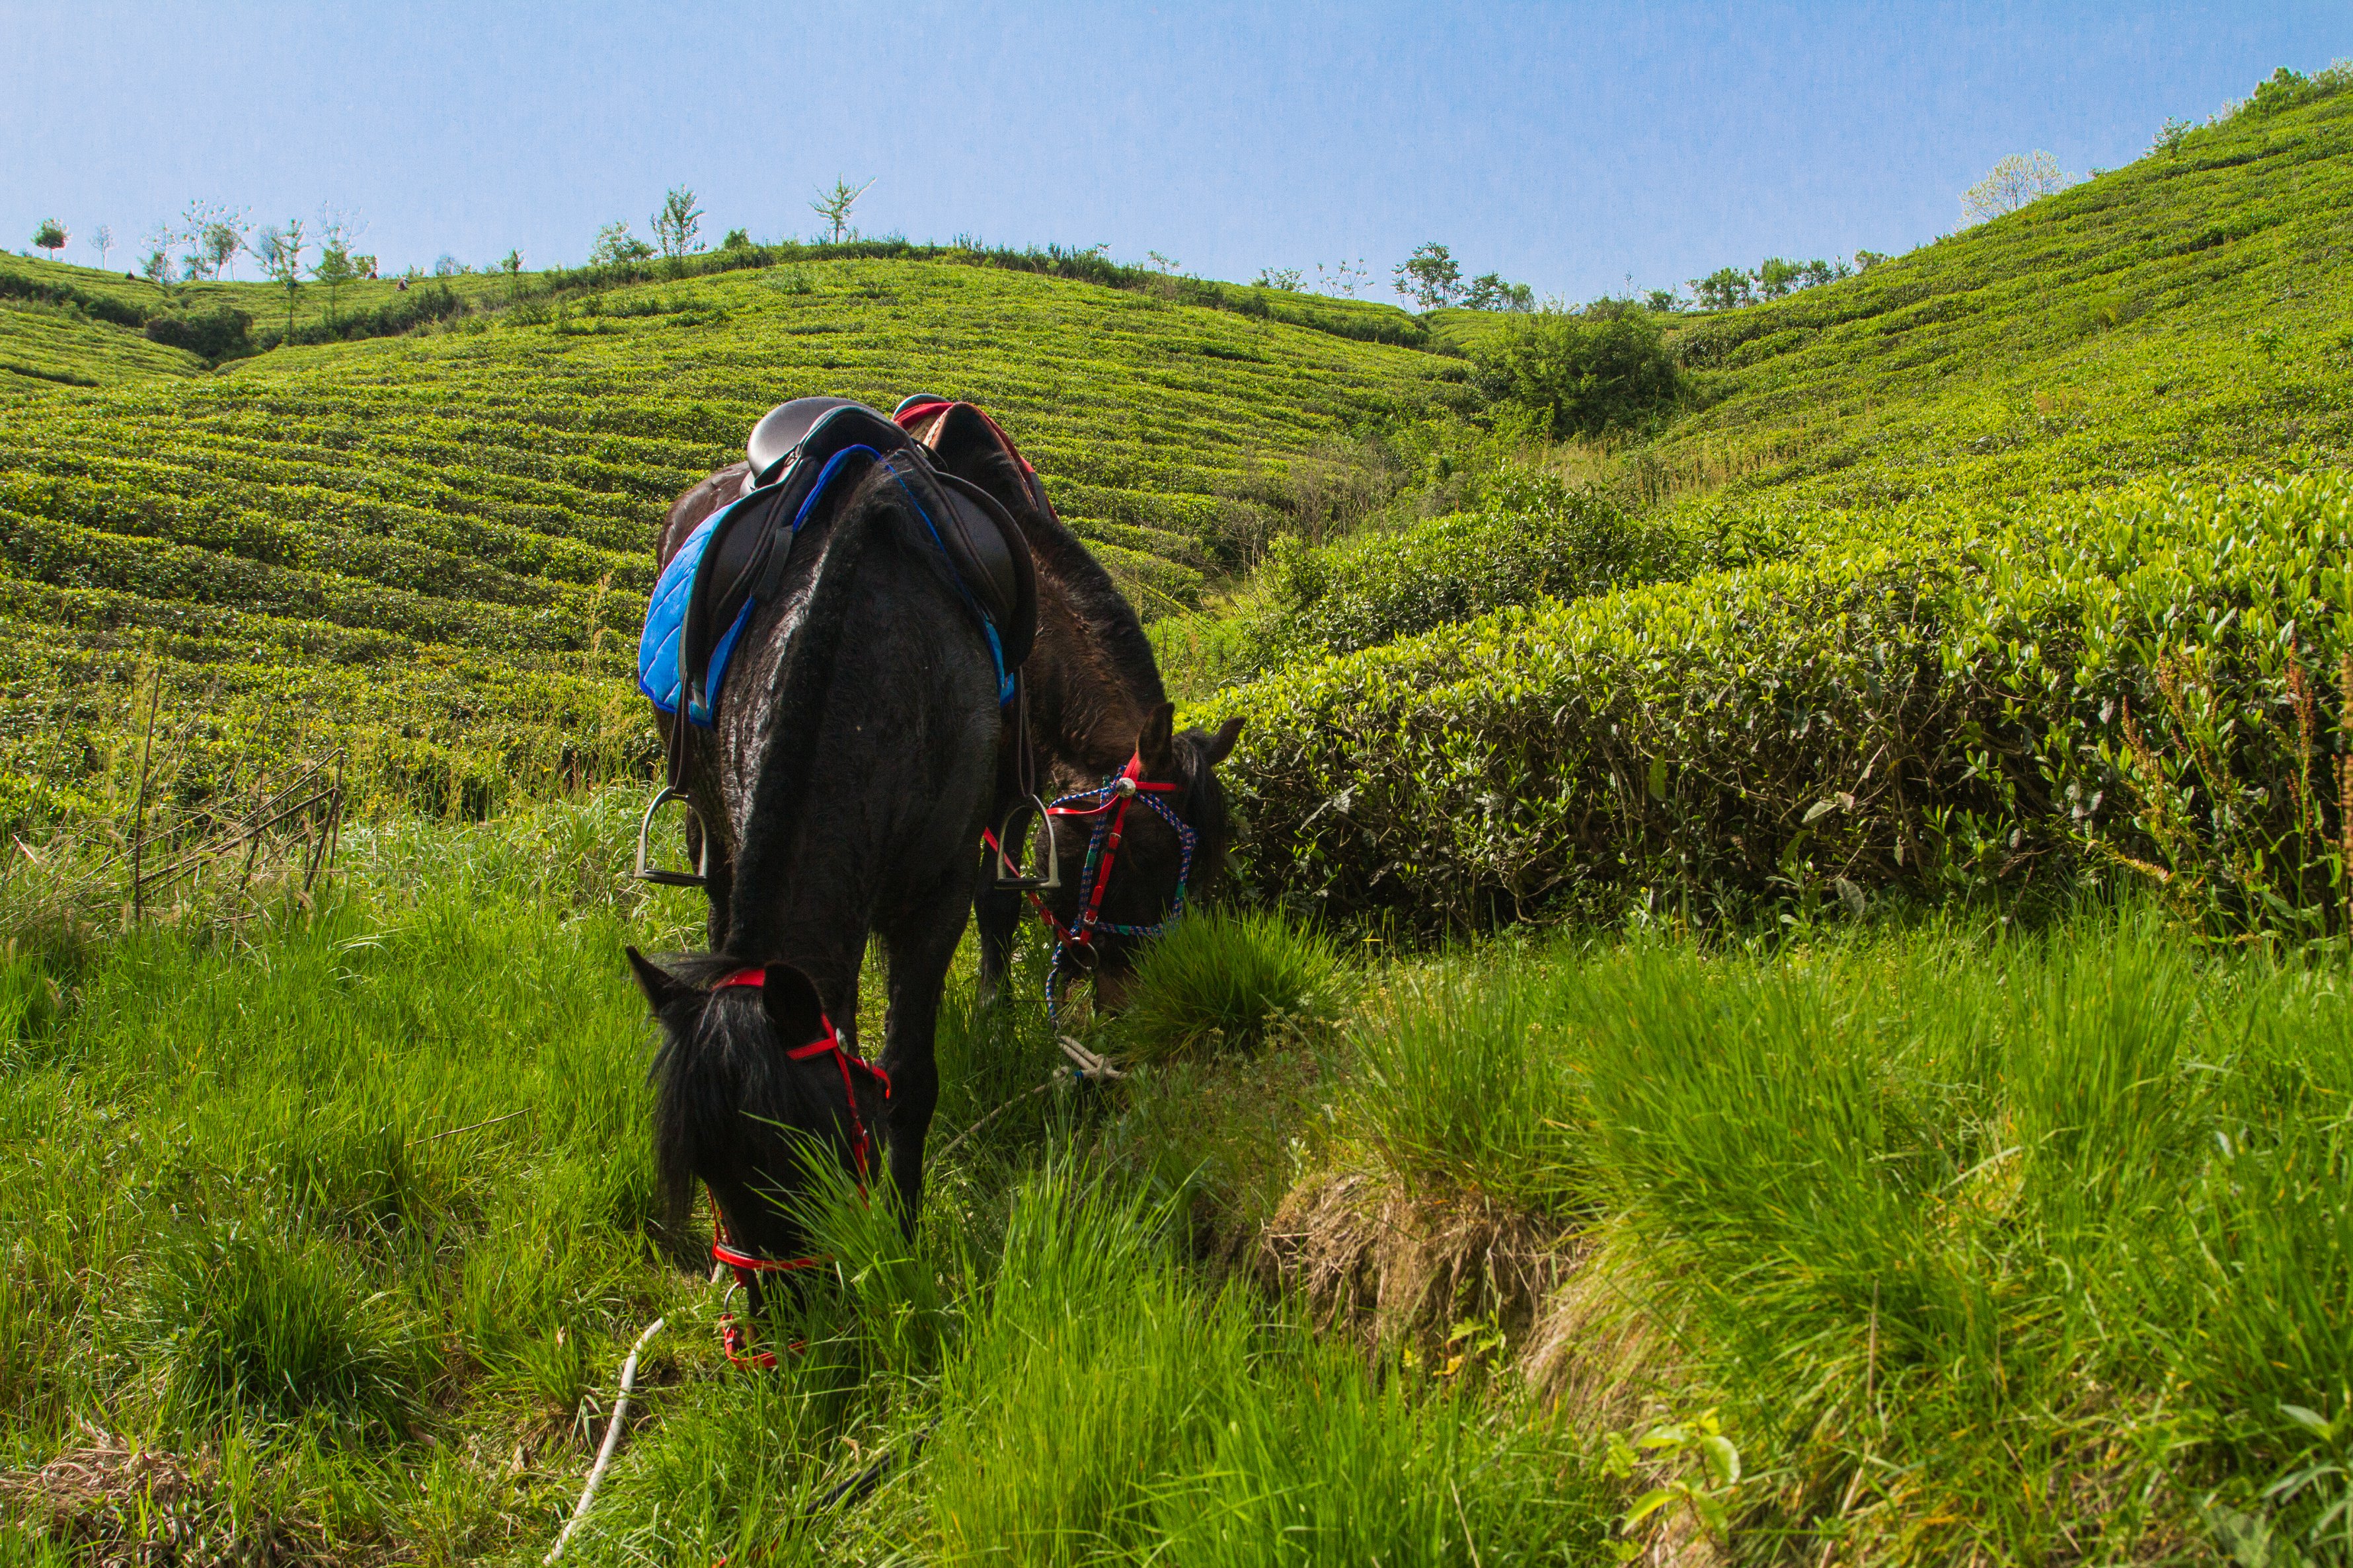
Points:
966	445
722	1086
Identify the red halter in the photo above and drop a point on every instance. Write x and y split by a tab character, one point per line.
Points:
746	1265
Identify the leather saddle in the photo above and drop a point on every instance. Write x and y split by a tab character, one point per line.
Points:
799	451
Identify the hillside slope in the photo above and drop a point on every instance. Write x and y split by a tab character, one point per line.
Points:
2185	316
2013	566
438	545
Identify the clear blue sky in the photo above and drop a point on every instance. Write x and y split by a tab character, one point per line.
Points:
1567	146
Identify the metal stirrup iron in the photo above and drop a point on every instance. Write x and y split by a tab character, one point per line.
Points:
700	874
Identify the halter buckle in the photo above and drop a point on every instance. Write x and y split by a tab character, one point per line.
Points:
698	878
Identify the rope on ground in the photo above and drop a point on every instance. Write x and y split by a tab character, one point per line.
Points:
1084	1064
612	1438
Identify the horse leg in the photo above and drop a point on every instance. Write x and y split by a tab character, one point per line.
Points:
997	910
997	913
919	950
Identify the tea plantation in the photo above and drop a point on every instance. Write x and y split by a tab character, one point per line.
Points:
436	548
1873	632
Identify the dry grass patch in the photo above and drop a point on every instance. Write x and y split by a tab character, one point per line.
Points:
1369	1258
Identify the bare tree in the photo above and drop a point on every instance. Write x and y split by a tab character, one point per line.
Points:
2021	178
50	236
1344	278
281	255
677	223
836	206
102	240
193	234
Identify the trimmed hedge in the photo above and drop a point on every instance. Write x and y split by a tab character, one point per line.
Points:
2153	680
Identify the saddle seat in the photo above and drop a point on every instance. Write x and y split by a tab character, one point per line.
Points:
709	589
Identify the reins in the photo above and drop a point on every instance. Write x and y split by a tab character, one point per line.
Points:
747	1267
1111	802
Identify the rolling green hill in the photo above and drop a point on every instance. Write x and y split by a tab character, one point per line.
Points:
2190	315
2010	564
437	546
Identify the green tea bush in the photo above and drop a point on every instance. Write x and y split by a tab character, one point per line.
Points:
1967	703
216	333
1537	538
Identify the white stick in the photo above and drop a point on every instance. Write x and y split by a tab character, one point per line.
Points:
612	1438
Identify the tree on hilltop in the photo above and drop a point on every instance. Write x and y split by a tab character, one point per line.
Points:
221	240
1430	278
677	224
281	257
616	245
1726	288
101	241
2017	180
335	267
50	236
1489	291
836	206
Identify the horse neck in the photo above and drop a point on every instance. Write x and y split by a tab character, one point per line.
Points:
1085	711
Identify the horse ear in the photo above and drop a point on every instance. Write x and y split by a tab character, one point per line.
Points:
660	987
1155	744
1221	745
793	1006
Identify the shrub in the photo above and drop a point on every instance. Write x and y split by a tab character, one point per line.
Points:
1539	537
216	334
1227	980
1581	375
2141	685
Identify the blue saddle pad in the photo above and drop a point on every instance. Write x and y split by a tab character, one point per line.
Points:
659	675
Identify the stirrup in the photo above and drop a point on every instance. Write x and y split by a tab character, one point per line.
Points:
698	878
1008	875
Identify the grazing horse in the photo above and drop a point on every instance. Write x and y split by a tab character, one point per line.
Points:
1096	711
847	775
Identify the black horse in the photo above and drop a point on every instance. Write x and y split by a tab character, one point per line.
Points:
1096	708
850	769
859	755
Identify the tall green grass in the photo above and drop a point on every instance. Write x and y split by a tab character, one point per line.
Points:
2022	1248
349	1207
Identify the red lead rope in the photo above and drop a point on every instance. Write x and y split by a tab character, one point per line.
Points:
747	1265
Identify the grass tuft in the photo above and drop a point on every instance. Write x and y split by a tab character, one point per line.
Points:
1227	981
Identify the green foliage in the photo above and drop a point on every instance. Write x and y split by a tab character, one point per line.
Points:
1229	982
217	333
1581	374
1464	1080
1534	538
50	235
1430	277
615	246
435	549
1938	702
677	224
278	1323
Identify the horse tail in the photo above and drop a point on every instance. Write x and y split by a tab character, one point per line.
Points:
797	716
